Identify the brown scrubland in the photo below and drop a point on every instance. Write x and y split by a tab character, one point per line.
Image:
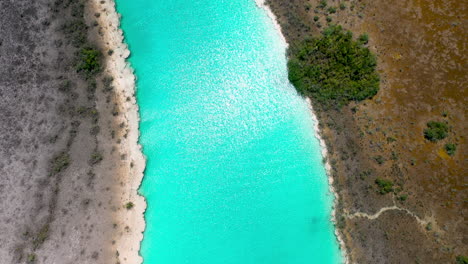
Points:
401	180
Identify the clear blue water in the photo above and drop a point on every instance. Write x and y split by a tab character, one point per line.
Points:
234	172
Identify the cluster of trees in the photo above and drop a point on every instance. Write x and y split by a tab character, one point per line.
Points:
334	68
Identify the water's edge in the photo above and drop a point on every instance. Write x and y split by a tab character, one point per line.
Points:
318	135
117	66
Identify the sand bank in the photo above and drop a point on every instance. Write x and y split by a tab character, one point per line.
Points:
128	244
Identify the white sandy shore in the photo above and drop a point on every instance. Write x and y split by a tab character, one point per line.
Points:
317	133
127	245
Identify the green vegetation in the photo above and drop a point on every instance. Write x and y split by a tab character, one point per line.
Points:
60	162
450	148
89	61
96	157
334	69
322	4
316	18
31	257
385	186
329	19
41	236
331	10
462	259
403	197
129	205
379	159
364	38
342	6
429	226
436	131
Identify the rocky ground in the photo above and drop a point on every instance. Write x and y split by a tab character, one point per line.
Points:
421	52
65	142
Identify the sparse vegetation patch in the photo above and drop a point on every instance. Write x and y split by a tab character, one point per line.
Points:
450	148
436	131
385	186
60	162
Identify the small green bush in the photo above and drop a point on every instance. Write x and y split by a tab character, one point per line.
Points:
31	258
364	38
429	226
329	19
60	162
89	61
316	18
450	148
96	157
403	197
385	186
379	159
332	10
436	131
334	69
462	259
322	4
129	205
41	236
342	6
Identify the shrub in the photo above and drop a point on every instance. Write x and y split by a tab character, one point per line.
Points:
31	258
96	157
41	236
450	148
89	61
379	159
385	186
436	131
322	4
403	197
364	38
332	10
334	69
60	162
129	205
316	18
462	259
329	19
342	6
429	226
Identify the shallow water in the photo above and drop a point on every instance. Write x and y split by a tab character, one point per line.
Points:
234	172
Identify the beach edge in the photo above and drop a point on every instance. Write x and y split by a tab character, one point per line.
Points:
318	134
117	66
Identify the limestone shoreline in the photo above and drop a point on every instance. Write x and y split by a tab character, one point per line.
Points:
112	38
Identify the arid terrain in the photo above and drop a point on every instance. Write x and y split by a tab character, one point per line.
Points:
68	126
421	53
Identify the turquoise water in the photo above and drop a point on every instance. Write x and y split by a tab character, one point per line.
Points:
234	172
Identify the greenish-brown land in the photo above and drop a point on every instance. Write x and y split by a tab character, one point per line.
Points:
398	152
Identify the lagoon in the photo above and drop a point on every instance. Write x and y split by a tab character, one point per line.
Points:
234	171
